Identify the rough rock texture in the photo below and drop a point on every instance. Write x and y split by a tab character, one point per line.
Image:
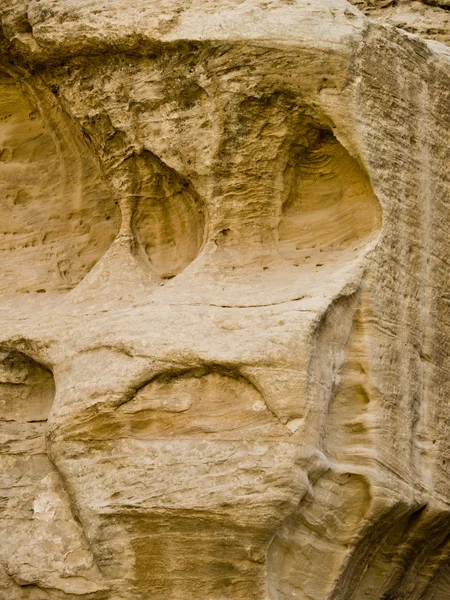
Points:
428	18
225	309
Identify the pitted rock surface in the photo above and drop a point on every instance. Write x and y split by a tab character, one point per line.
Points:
224	300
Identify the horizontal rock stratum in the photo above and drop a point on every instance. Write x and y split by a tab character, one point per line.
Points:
224	300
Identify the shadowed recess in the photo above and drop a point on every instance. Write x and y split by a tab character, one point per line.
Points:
58	217
169	217
442	584
35	513
329	210
200	403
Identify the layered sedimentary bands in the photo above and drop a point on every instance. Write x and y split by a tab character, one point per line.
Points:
427	18
225	300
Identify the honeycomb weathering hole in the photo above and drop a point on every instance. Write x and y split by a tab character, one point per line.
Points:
58	216
201	403
169	218
26	389
329	210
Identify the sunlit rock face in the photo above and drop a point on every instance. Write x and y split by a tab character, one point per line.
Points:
224	307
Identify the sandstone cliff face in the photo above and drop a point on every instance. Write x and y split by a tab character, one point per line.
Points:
428	18
225	318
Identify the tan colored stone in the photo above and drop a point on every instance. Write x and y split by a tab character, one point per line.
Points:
427	18
224	310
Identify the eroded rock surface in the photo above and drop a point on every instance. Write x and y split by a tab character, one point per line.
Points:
427	18
225	319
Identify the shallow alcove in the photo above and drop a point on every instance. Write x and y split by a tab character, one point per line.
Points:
169	217
26	389
37	528
58	216
204	403
329	210
26	396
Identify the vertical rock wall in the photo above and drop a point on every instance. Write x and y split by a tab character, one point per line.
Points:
224	303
